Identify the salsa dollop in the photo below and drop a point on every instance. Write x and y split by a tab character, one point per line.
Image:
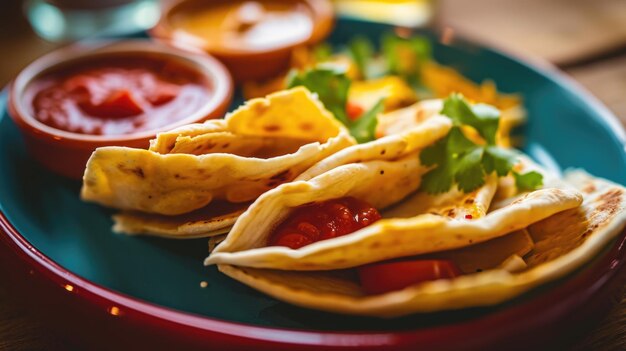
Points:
117	95
323	220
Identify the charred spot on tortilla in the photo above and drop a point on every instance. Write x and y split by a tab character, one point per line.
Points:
610	201
260	107
589	188
306	127
271	128
138	171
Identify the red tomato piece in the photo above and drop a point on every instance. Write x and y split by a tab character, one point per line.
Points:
293	240
118	95
163	93
378	278
323	220
354	111
118	104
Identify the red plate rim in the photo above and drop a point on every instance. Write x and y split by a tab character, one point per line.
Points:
553	305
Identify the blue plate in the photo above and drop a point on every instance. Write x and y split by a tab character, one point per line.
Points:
566	128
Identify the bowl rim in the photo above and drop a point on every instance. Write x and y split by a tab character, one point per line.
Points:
553	303
321	11
218	77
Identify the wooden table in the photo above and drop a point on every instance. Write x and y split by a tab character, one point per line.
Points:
586	38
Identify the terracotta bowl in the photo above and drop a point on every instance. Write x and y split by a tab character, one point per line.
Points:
245	64
66	152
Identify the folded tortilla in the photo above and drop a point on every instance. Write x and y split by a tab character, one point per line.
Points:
379	183
391	143
262	144
563	242
215	219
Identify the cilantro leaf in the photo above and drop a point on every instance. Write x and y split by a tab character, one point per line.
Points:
322	52
405	56
438	180
528	181
364	128
330	85
483	118
362	51
461	161
458	142
435	153
499	159
469	172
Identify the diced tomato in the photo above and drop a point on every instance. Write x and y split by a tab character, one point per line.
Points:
293	240
378	278
119	104
118	94
163	93
354	111
323	220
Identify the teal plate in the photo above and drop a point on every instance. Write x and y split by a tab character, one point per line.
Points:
566	128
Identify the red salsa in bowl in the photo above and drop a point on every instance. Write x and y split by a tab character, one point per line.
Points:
76	99
117	95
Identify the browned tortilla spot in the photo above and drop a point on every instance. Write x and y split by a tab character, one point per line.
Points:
589	188
271	128
306	126
520	199
259	108
421	114
610	202
375	245
138	171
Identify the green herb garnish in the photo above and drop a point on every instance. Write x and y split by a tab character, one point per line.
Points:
322	52
362	51
461	161
528	181
331	86
364	128
405	56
